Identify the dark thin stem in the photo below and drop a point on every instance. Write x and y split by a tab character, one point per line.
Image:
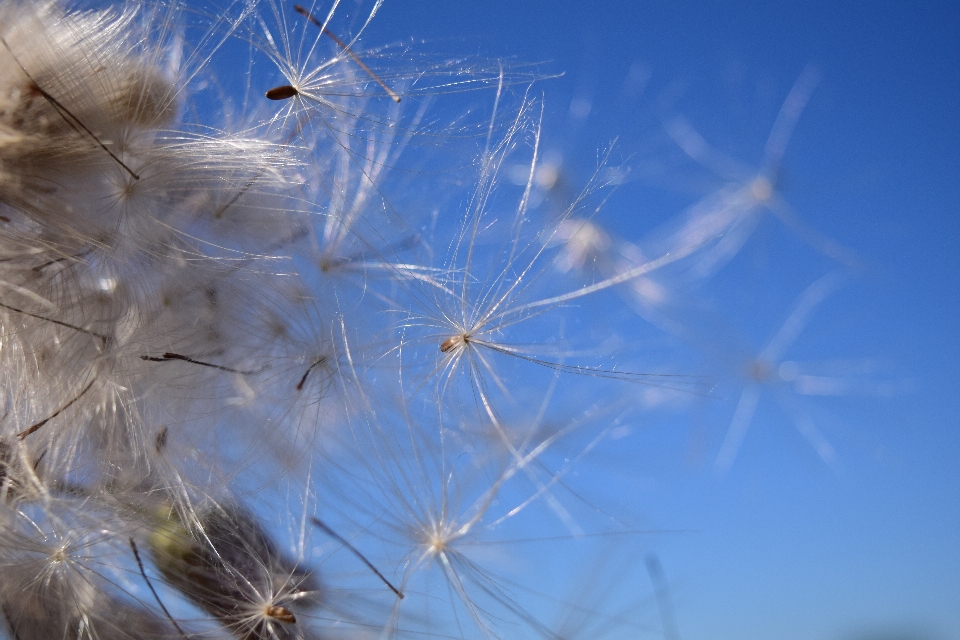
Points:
176	356
41	267
317	363
23	434
664	602
309	16
58	322
333	534
143	572
73	120
219	212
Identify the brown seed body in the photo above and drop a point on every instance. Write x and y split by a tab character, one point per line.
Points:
280	613
283	92
451	343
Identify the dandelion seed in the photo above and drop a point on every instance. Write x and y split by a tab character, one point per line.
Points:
283	92
309	16
767	370
722	222
226	563
452	343
280	613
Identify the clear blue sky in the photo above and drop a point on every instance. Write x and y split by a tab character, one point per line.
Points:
782	546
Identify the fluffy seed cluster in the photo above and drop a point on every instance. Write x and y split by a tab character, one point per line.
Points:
269	371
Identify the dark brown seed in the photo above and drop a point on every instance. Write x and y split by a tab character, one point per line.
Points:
284	92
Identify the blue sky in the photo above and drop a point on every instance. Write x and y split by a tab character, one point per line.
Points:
782	546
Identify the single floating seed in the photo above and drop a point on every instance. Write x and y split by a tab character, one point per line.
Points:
284	92
340	43
451	343
280	613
